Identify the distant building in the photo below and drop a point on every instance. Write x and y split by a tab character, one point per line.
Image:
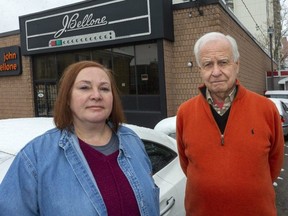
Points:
262	18
284	52
257	16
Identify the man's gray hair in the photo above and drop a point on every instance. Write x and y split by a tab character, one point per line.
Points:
212	36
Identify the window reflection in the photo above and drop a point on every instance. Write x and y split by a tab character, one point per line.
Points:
122	58
44	67
103	57
147	69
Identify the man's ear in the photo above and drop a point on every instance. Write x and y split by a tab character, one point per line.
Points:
238	65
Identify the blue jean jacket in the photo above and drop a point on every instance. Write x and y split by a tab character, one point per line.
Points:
50	176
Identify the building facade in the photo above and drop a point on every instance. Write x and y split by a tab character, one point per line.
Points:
148	44
258	16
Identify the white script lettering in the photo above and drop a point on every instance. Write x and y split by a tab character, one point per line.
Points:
73	23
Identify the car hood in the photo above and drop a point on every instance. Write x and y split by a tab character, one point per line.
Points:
28	128
25	129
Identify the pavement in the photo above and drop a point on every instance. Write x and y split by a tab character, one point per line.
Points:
281	187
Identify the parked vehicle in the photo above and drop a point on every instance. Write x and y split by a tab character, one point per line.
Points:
162	150
167	126
277	94
283	111
283	94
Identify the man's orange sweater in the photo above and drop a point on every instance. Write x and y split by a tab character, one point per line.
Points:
230	174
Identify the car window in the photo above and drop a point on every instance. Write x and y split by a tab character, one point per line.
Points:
159	155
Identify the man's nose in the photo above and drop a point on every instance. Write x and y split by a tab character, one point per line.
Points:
216	70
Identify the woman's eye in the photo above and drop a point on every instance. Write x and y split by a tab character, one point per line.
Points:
106	89
84	87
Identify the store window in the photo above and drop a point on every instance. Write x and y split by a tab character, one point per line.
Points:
147	69
135	69
44	68
103	57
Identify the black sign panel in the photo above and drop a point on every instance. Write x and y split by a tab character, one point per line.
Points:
95	23
10	61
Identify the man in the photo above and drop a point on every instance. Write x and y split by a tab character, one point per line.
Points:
230	139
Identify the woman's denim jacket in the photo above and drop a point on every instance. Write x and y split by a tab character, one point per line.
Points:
50	176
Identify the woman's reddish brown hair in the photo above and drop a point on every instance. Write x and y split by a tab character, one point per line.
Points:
62	113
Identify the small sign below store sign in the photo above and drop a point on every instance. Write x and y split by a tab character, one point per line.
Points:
10	61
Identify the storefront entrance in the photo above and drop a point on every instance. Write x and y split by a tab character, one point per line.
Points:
45	96
136	71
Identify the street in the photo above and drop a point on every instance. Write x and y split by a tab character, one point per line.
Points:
281	187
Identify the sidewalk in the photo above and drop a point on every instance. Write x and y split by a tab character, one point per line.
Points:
282	187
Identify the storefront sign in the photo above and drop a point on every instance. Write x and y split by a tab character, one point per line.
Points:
10	61
96	23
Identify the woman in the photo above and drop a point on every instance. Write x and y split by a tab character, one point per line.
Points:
89	164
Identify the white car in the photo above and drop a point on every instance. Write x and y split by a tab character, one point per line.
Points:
282	94
167	126
283	111
162	150
277	94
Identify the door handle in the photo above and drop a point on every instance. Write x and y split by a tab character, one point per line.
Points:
169	204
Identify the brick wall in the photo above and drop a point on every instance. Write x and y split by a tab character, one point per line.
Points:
182	81
16	94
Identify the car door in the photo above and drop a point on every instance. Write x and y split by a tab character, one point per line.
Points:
168	177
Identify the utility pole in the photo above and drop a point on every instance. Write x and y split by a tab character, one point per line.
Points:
271	32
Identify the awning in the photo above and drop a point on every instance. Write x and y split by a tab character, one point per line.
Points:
283	81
